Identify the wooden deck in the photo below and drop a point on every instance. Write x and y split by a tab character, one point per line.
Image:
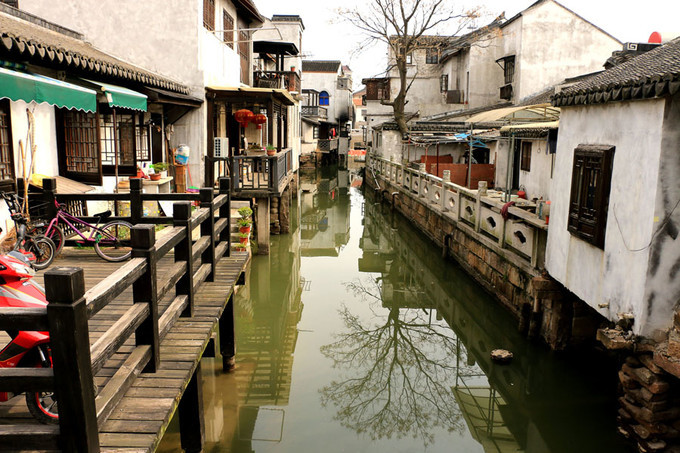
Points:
139	421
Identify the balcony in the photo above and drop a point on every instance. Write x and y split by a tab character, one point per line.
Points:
259	175
315	110
328	145
286	80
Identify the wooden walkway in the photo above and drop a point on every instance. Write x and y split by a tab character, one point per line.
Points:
139	421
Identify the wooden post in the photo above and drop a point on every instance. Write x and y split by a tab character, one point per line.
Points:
227	336
144	291
136	204
208	229
70	344
183	252
191	422
50	196
262	222
225	213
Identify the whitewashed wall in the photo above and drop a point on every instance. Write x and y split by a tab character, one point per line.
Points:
536	182
616	276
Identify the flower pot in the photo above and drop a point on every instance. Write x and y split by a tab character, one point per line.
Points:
244	229
155	176
271	152
243	241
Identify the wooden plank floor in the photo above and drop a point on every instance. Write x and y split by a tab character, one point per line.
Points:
140	420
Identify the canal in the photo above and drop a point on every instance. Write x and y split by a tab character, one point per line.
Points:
355	336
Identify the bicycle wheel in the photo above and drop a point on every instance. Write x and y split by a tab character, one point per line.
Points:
56	234
44	250
113	241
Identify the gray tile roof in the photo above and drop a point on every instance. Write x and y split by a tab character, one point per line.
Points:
320	65
652	74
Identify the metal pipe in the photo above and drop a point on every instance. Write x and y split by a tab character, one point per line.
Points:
469	178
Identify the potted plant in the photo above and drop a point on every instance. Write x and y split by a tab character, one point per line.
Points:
161	168
271	150
244	225
245	212
243	238
155	176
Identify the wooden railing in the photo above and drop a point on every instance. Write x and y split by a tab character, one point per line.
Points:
262	173
522	232
70	308
287	80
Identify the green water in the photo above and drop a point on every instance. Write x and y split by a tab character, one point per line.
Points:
355	336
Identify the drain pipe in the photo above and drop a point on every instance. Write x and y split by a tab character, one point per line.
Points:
447	242
394	198
536	319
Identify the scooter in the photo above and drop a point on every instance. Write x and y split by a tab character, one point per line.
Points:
26	348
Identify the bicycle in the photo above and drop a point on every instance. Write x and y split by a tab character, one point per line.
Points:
112	241
38	249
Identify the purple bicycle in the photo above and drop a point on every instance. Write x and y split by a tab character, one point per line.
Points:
111	241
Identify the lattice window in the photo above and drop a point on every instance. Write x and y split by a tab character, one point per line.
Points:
79	157
509	69
243	51
228	28
122	135
209	14
6	153
143	143
444	83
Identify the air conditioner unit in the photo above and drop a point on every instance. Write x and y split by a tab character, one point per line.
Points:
221	148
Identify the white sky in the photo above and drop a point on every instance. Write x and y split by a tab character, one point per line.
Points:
326	38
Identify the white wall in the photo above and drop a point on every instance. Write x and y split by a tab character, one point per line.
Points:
557	44
616	275
536	182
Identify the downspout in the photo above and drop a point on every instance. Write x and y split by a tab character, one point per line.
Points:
510	164
447	242
469	178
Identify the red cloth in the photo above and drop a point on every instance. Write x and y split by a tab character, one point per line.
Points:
504	210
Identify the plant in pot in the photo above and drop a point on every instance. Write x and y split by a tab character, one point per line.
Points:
243	238
161	168
244	225
271	150
245	212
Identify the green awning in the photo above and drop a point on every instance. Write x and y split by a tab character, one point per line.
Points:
26	87
122	97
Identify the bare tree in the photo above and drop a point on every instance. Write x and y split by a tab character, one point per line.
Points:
404	25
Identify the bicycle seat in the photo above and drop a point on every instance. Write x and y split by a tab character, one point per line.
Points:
103	215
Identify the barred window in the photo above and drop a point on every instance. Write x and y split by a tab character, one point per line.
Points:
143	142
509	69
209	14
121	137
79	146
444	83
590	187
6	152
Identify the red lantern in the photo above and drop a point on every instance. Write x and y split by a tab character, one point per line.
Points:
243	116
259	119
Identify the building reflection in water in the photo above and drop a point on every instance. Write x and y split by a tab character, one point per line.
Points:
411	372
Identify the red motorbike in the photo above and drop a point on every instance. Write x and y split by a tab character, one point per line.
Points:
26	348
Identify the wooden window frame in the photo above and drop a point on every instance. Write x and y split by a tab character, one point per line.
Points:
431	55
228	28
443	83
209	14
590	189
509	69
525	156
7	143
84	135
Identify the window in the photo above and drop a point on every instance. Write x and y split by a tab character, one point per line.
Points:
79	146
6	152
590	186
244	51
227	28
409	59
509	69
377	89
324	98
209	14
118	137
315	132
432	55
525	160
444	83
143	142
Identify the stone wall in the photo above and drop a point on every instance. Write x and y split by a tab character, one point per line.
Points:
542	306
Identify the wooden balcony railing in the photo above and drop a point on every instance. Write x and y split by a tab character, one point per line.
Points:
262	173
287	80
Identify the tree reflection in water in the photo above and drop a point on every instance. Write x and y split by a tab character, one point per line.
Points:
402	367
